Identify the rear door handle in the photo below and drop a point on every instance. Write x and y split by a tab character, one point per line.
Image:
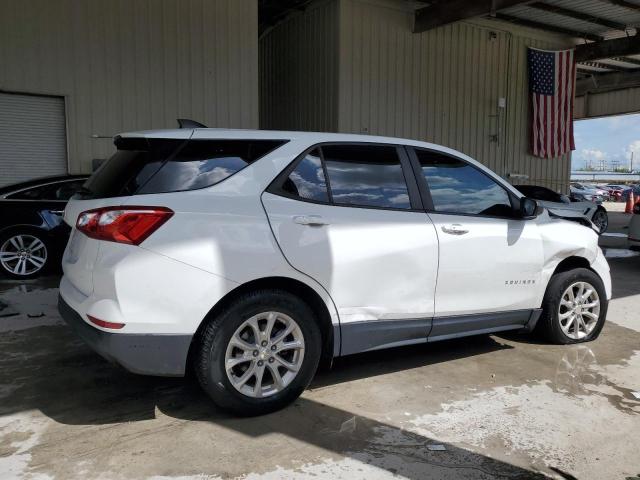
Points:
310	220
454	229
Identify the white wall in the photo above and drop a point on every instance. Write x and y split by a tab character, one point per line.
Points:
128	65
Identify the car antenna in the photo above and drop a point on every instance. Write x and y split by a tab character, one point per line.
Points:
187	123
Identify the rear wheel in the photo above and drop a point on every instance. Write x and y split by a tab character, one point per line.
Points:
260	353
574	308
601	220
23	255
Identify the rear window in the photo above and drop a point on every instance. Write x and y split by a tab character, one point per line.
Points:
143	166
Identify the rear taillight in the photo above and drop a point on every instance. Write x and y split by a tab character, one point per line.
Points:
131	225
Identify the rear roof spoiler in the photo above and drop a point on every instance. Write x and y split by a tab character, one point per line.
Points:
187	123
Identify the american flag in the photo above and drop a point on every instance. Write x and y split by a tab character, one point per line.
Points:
551	85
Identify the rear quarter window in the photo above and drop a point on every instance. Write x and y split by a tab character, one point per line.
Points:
202	163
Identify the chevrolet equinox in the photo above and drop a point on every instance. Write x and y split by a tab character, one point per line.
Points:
253	256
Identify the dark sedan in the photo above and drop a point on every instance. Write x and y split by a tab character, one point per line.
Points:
32	233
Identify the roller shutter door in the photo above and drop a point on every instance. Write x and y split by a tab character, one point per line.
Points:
32	137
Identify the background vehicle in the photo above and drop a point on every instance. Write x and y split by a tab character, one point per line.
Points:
255	254
564	206
32	232
580	192
599	189
634	228
616	191
631	188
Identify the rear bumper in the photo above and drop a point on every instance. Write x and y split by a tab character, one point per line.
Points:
162	355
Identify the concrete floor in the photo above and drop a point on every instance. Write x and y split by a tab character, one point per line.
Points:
502	406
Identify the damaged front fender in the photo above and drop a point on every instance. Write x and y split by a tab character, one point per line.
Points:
566	238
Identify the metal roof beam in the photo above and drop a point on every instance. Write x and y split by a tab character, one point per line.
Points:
604	66
616	47
546	27
632	61
605	82
585	17
443	13
623	3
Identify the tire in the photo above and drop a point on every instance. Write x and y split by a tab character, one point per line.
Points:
216	350
562	330
24	254
601	219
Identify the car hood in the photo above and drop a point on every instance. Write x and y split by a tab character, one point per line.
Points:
580	212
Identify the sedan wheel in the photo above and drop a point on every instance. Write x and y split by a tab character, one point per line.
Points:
23	255
579	310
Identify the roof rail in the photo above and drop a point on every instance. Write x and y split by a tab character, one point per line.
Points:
187	123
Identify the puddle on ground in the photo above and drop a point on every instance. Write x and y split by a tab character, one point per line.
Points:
614	235
619	253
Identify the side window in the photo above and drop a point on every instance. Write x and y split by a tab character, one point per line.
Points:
64	190
35	193
366	175
457	187
307	179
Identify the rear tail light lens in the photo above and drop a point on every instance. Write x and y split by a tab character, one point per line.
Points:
130	225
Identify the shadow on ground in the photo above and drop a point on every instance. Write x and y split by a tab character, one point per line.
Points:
54	373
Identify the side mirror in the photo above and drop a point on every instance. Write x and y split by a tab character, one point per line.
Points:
565	199
529	208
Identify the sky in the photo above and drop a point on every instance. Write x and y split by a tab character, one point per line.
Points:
609	139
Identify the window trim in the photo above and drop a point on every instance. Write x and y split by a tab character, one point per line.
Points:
8	196
425	190
415	201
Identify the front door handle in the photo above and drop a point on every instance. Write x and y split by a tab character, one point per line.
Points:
310	220
454	229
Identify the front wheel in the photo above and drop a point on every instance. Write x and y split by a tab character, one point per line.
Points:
574	307
260	353
601	220
23	255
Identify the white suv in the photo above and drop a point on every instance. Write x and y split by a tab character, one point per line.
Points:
253	256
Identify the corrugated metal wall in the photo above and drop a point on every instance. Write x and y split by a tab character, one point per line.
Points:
128	65
616	102
299	71
442	86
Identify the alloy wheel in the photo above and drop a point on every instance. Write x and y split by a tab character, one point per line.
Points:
600	220
579	310
264	354
23	255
